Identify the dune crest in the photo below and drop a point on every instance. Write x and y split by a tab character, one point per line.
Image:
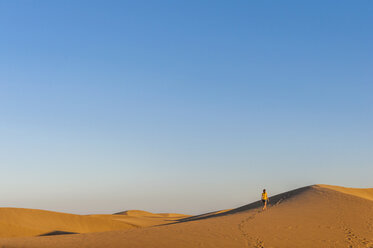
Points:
140	218
366	193
135	213
312	216
20	222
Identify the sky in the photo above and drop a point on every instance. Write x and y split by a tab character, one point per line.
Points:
181	106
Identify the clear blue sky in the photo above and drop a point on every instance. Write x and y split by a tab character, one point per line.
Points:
181	106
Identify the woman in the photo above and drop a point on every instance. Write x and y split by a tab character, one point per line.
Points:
264	199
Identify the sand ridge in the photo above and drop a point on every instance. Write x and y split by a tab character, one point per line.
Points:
312	216
363	193
141	218
20	222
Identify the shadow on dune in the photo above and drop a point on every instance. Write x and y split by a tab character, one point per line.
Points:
274	200
56	233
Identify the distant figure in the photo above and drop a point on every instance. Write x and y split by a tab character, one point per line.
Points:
264	199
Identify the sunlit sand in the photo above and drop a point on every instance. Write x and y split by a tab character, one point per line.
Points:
312	216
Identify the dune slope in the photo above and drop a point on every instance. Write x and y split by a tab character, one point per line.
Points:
363	193
314	216
142	218
18	222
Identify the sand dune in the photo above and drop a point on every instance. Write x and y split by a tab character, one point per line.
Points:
140	218
140	213
363	193
18	222
135	213
313	216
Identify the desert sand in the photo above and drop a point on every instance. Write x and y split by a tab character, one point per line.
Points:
18	222
312	216
138	218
